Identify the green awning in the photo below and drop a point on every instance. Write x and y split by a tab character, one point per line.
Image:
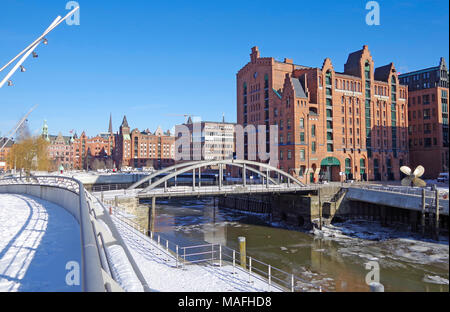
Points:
330	161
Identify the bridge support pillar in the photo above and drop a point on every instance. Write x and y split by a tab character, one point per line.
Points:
436	225
244	174
422	220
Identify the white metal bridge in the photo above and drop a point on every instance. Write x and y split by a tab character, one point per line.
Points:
271	180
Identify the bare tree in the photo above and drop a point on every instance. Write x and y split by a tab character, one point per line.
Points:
29	154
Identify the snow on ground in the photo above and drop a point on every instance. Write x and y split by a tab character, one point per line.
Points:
160	271
37	240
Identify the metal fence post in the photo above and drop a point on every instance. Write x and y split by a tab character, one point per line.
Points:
176	249
220	255
184	256
292	282
270	276
234	262
167	245
249	269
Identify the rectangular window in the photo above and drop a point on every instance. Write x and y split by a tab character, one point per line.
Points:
329	147
302	137
329	124
313	147
302	154
313	131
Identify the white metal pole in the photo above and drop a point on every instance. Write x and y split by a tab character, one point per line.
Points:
14	69
52	26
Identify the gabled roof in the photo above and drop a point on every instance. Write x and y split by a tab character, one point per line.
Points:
298	88
382	73
277	93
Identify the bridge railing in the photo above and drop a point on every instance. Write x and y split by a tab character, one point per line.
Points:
256	188
401	190
217	255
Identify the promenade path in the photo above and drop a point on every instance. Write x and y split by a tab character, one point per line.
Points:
37	240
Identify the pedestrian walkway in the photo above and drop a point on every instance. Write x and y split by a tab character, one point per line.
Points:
37	240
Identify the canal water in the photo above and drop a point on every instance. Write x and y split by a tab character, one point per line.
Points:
339	258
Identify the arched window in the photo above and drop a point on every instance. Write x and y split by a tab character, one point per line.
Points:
328	78
367	70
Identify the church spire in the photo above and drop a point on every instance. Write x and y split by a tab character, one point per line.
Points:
45	131
110	124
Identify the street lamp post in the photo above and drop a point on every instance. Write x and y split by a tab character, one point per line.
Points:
30	49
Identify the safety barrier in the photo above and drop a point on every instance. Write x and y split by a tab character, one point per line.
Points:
70	194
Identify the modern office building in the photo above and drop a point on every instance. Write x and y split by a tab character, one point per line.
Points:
207	140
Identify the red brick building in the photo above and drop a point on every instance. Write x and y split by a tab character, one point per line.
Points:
143	149
428	118
7	145
87	151
94	152
329	122
60	150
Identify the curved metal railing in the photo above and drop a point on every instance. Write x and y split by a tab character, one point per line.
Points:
92	279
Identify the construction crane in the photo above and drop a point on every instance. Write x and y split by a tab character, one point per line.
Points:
186	116
16	128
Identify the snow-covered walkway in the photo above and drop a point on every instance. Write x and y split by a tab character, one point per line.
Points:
37	240
160	271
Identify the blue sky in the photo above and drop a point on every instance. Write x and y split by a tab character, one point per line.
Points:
149	59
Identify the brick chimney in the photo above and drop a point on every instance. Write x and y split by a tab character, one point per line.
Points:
255	54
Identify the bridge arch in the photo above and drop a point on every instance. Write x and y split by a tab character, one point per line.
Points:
193	165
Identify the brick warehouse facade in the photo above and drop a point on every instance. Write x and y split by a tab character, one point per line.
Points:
7	145
143	149
328	122
428	118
